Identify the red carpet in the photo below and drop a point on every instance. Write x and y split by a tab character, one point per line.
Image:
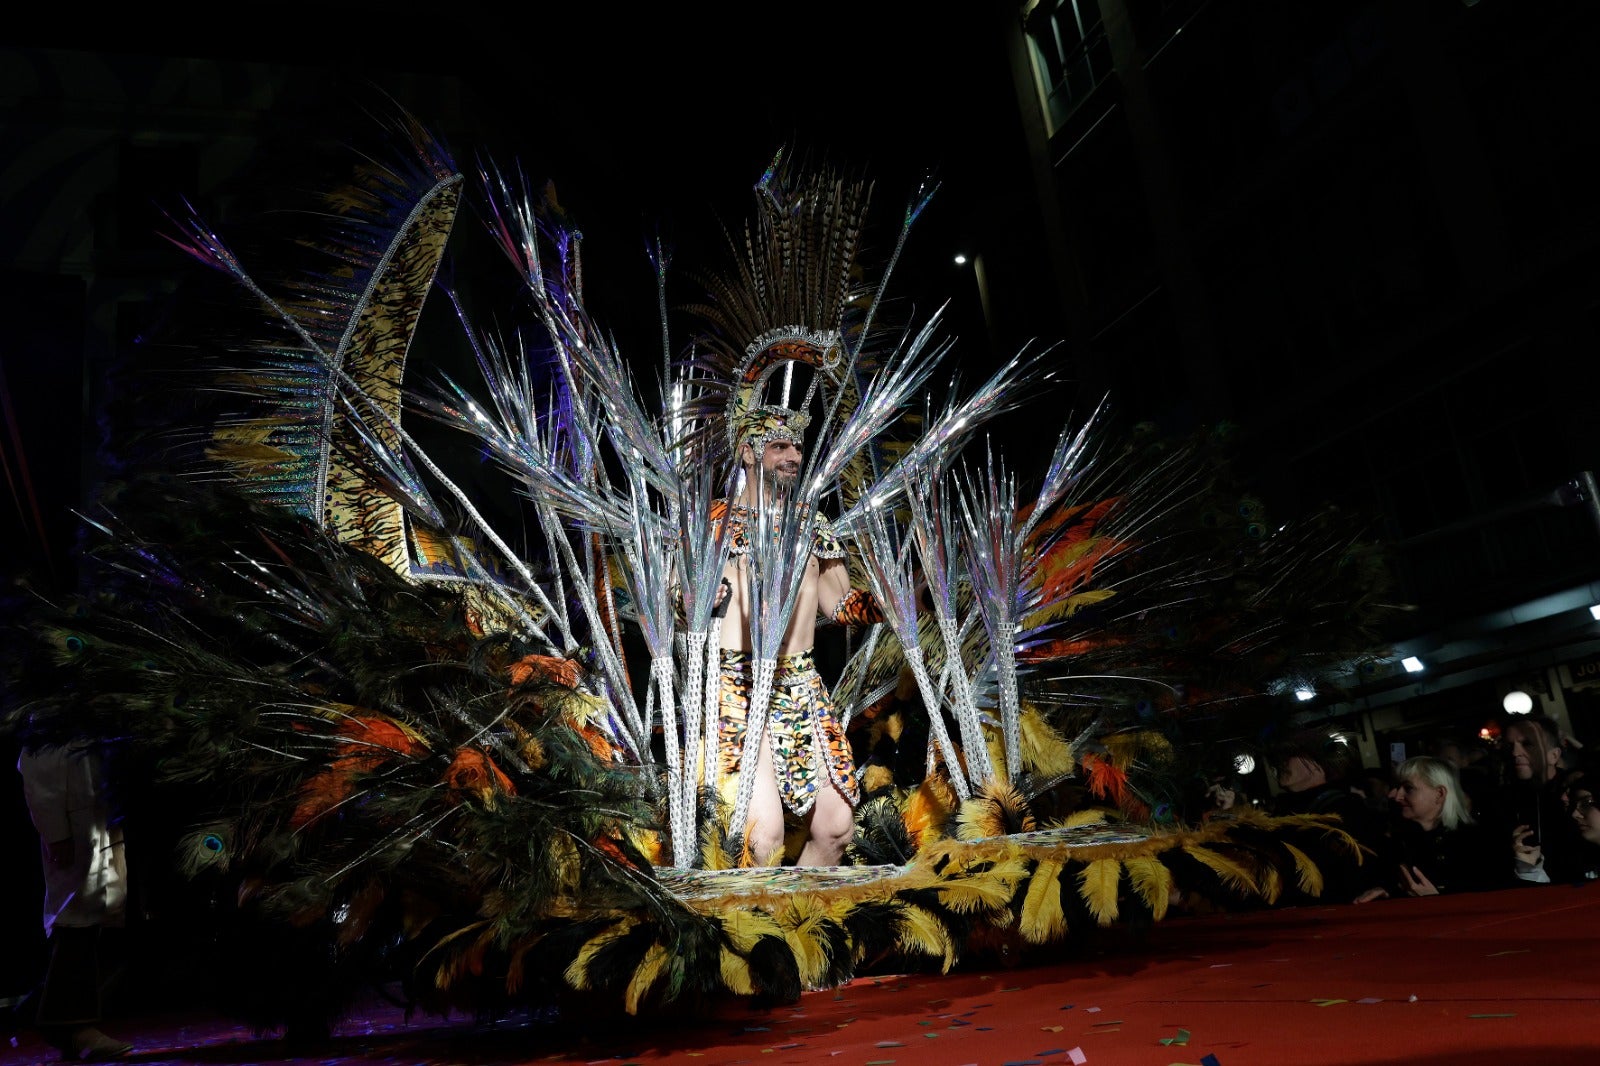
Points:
1501	978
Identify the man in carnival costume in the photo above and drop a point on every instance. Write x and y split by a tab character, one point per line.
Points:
804	764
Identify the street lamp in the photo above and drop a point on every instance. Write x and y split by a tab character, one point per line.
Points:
1517	702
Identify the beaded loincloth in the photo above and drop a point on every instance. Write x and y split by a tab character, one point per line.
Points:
809	749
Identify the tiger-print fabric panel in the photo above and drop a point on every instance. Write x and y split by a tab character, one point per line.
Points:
356	511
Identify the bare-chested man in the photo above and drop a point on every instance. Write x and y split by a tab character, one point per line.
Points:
804	763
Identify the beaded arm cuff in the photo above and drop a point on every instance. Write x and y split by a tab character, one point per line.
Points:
858	608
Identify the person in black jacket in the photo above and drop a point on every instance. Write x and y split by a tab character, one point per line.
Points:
1314	778
1437	846
1584	864
1536	815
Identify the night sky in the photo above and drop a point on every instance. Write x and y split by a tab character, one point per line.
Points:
651	118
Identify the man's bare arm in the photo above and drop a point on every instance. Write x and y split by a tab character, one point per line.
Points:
850	606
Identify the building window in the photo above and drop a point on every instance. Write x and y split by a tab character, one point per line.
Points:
1070	54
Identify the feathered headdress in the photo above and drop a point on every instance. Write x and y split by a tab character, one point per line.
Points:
782	301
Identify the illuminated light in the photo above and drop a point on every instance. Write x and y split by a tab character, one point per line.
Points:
1594	612
1485	734
1339	739
1303	694
1517	702
1412	664
961	260
1244	764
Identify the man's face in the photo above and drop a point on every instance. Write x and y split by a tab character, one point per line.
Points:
780	463
1530	759
1299	774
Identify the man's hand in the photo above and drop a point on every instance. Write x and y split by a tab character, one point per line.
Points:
60	853
1371	894
1416	882
1530	854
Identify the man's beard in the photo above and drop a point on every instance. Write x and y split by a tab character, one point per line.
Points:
776	481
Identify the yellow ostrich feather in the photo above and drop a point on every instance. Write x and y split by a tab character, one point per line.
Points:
985	814
647	841
1326	824
1125	748
743	927
1152	881
926	809
922	933
1307	874
577	973
985	885
736	974
875	777
995	741
528	746
563	865
1270	883
1088	816
1043	749
645	977
1042	917
808	945
1098	887
1232	873
579	709
712	853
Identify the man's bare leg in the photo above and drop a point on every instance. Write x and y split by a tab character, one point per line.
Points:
765	827
829	827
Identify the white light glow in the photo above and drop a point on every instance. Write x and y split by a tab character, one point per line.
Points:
1412	664
961	260
1594	612
1303	694
1244	764
1517	702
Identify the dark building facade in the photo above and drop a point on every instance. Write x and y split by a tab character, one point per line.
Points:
1367	234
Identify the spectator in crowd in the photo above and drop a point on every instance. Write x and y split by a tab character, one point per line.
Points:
1586	820
1479	787
1373	789
85	892
1224	796
1534	801
1436	847
1314	776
